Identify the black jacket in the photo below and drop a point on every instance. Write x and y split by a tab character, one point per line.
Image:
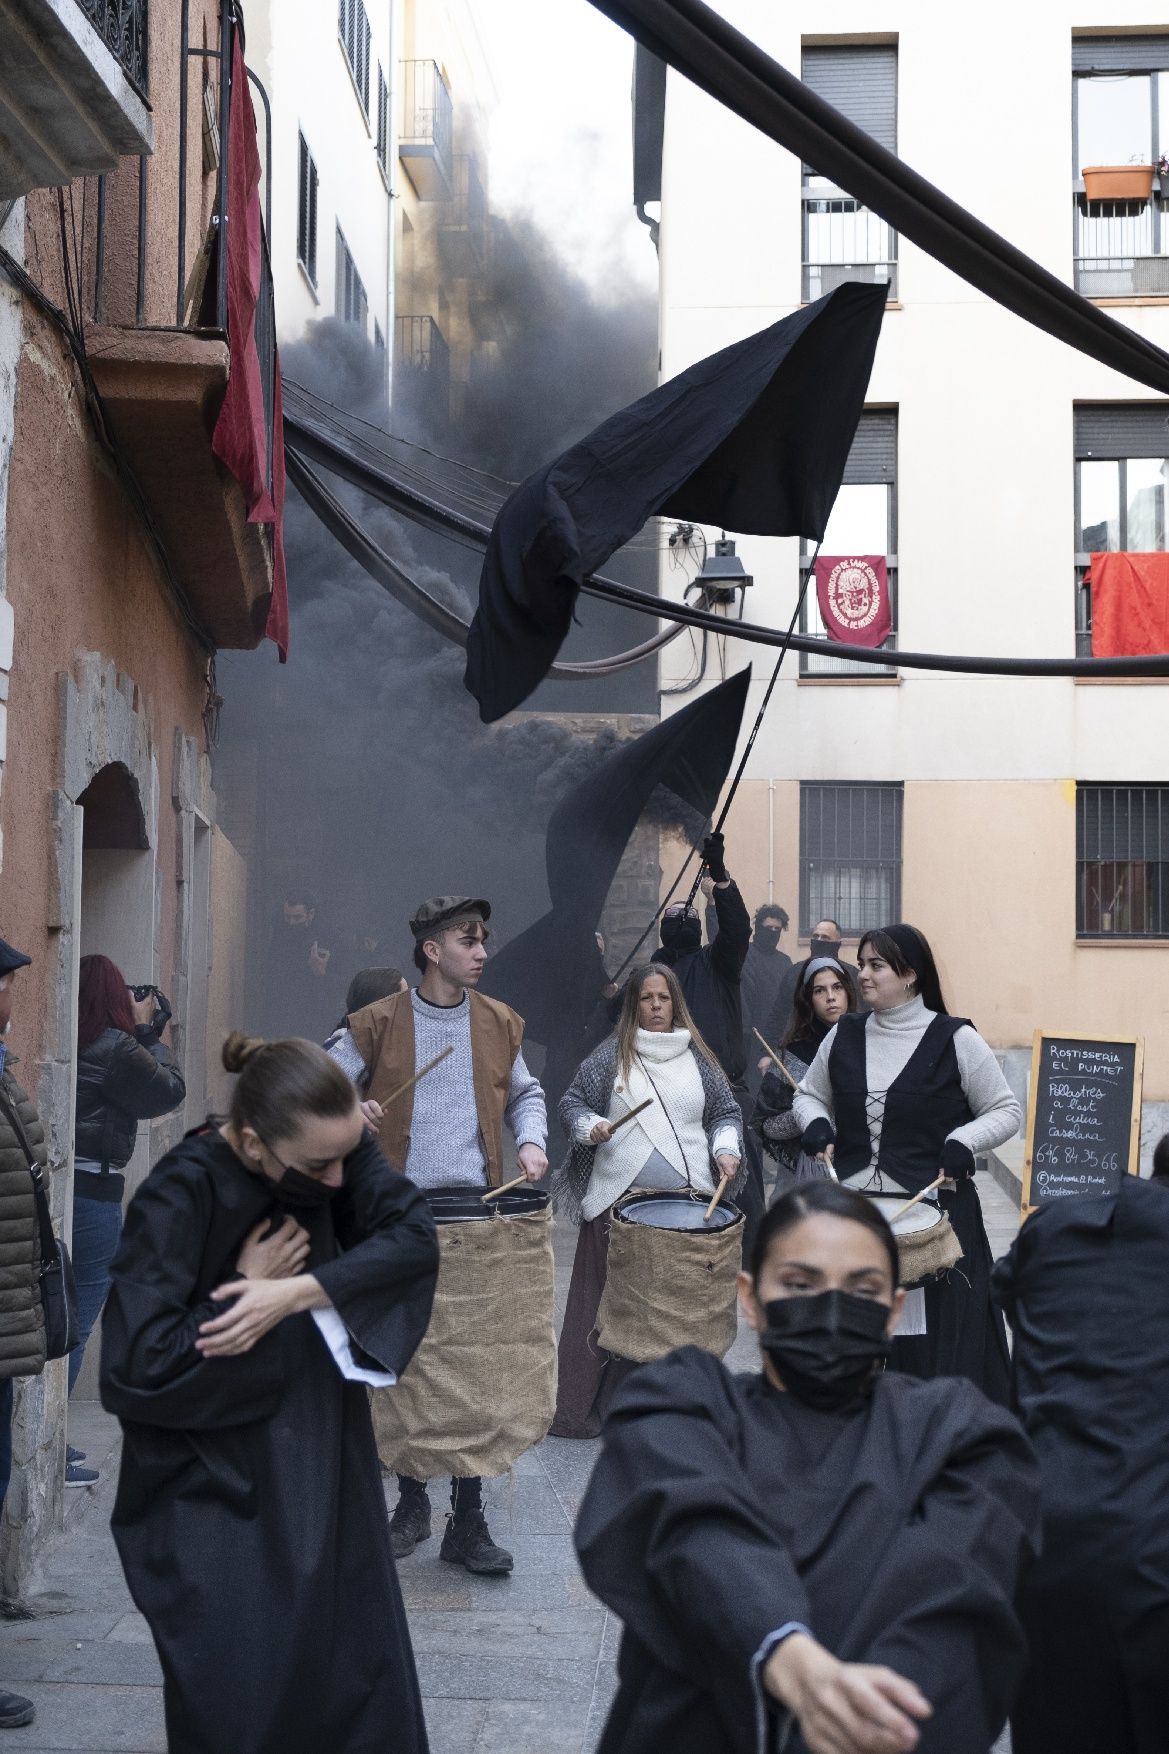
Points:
710	978
121	1081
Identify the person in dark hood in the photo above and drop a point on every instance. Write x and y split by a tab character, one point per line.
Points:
822	1556
1086	1292
710	977
825	995
827	940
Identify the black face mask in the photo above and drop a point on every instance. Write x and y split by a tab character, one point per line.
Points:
681	934
824	947
826	1348
768	937
305	1192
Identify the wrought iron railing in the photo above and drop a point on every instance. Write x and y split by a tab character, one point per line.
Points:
1122	247
123	28
427	114
201	287
842	240
1122	861
420	346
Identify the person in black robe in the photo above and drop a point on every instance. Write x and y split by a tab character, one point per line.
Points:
822	1557
825	994
1086	1290
268	1269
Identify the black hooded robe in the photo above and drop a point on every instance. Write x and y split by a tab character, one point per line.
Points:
250	1517
1086	1290
722	1509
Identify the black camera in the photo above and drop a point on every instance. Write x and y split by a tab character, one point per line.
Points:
160	1016
143	992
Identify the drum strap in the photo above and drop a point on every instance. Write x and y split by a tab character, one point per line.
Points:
673	1128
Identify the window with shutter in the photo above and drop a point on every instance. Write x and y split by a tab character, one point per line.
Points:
843	240
863	521
850	855
1122	861
383	120
1121	462
306	211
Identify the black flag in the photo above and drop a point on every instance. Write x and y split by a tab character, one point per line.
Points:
754	439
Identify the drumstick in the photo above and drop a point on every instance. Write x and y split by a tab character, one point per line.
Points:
421	1073
721	1189
613	1125
778	1061
902	1210
505	1189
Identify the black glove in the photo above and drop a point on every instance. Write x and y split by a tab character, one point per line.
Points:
779	1094
149	1033
817	1137
714	857
958	1160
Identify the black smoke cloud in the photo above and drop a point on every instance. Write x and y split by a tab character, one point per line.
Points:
360	769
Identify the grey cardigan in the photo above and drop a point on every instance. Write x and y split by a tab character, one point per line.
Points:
591	1092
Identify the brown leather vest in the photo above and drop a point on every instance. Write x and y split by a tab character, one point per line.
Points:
384	1033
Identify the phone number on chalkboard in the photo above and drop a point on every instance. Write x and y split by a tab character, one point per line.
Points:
1056	1156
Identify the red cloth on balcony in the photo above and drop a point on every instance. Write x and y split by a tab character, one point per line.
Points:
853	593
240	439
1130	604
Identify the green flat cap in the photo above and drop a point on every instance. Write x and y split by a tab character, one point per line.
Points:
443	910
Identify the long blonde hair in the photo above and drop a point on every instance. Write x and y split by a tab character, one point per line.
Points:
628	1018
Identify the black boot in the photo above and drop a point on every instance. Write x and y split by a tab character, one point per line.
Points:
410	1522
468	1542
15	1712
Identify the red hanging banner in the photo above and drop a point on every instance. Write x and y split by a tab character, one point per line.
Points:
1130	604
853	592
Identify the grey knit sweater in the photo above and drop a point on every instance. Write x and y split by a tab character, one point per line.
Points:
446	1149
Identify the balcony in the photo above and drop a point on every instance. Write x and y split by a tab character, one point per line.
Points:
843	241
157	343
72	90
1122	247
463	230
422	365
426	138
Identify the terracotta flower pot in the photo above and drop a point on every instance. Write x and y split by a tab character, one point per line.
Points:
1118	182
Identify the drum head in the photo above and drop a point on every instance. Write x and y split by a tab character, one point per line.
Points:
455	1205
677	1212
923	1216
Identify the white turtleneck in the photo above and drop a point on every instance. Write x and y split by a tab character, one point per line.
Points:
890	1039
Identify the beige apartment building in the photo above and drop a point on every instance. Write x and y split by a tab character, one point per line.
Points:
1023	824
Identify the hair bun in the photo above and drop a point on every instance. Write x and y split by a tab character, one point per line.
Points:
239	1048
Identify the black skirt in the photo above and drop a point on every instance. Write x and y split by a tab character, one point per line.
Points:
965	1333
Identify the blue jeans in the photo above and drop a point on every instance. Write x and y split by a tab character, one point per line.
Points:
97	1228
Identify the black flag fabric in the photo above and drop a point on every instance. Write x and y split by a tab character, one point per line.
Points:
754	438
552	973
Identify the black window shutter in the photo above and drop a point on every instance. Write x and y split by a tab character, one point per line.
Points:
1122	429
1120	54
860	80
873	455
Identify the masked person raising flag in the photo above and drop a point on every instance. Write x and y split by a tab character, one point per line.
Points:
270	1267
822	1557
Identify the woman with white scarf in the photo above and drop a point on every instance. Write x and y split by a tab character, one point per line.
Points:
689	1137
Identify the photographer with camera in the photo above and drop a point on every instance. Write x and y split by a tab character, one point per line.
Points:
124	1075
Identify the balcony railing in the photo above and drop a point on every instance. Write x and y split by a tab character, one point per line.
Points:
843	241
1122	247
426	138
812	623
463	229
420	348
123	28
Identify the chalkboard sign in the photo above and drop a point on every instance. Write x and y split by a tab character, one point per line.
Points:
1083	1118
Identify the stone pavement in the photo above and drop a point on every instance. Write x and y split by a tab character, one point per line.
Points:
507	1666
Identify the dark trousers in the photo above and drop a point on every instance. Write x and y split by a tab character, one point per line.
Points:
6	1397
466	1495
749	1199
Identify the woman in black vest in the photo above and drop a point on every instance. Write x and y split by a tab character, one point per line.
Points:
894	1098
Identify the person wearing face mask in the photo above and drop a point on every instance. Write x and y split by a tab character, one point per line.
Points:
821	1557
271	1267
689	1137
827	940
897	1097
763	970
824	996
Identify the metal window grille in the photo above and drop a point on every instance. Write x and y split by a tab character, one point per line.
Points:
1122	861
383	120
306	213
123	26
850	854
351	305
354	32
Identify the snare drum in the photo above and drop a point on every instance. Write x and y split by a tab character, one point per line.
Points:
671	1276
926	1243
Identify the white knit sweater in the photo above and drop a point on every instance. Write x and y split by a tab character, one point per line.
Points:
665	1069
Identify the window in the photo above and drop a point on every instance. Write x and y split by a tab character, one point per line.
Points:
1122	861
351	304
841	239
1120	116
863	521
850	855
353	29
1122	458
383	121
306	212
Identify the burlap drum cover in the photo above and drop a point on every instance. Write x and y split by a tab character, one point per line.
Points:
922	1254
481	1388
668	1288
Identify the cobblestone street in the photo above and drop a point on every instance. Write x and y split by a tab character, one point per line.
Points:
516	1666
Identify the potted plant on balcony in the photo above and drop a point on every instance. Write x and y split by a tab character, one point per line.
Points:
1118	182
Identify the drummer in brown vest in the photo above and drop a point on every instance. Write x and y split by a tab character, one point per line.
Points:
447	1131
